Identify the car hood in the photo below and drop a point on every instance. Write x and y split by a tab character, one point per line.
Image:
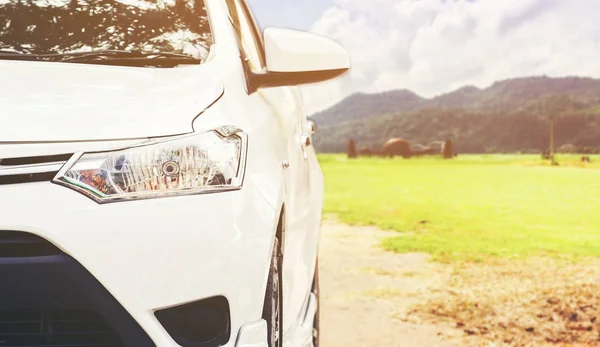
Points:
43	102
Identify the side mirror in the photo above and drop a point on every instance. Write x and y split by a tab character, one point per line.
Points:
296	57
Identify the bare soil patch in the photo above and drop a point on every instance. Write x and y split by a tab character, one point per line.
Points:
375	298
524	303
364	287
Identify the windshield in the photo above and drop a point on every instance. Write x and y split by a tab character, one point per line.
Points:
46	27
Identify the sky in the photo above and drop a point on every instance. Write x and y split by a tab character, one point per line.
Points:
435	46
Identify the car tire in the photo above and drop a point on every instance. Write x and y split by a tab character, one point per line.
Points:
316	323
273	310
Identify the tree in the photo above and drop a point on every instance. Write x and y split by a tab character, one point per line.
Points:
448	150
351	149
41	27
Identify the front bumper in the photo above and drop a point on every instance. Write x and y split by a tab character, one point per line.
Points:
149	255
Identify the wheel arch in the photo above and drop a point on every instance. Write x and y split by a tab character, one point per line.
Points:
275	280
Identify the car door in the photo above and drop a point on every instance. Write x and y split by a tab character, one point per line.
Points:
299	250
300	235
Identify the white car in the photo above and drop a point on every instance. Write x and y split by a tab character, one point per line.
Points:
158	186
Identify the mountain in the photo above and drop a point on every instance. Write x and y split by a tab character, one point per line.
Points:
361	106
462	97
510	115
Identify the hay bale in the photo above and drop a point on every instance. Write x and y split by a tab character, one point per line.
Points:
397	147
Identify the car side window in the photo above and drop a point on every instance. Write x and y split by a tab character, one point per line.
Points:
249	37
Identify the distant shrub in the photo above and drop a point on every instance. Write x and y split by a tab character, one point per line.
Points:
378	153
365	152
568	149
448	150
573	149
546	155
351	149
423	151
437	146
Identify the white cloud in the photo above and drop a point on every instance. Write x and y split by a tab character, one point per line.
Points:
434	46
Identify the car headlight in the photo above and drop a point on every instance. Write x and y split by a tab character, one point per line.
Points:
193	164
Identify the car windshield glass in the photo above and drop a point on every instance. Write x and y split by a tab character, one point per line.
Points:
56	27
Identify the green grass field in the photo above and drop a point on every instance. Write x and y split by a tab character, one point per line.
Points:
471	207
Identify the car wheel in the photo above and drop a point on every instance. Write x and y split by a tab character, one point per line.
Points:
273	310
317	323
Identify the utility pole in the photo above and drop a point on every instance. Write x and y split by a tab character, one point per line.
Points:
552	139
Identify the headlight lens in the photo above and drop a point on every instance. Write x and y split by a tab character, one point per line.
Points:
199	163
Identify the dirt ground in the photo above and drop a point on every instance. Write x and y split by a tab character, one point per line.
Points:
363	288
370	297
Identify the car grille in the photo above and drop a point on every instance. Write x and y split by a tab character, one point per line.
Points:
31	169
48	299
18	245
55	329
